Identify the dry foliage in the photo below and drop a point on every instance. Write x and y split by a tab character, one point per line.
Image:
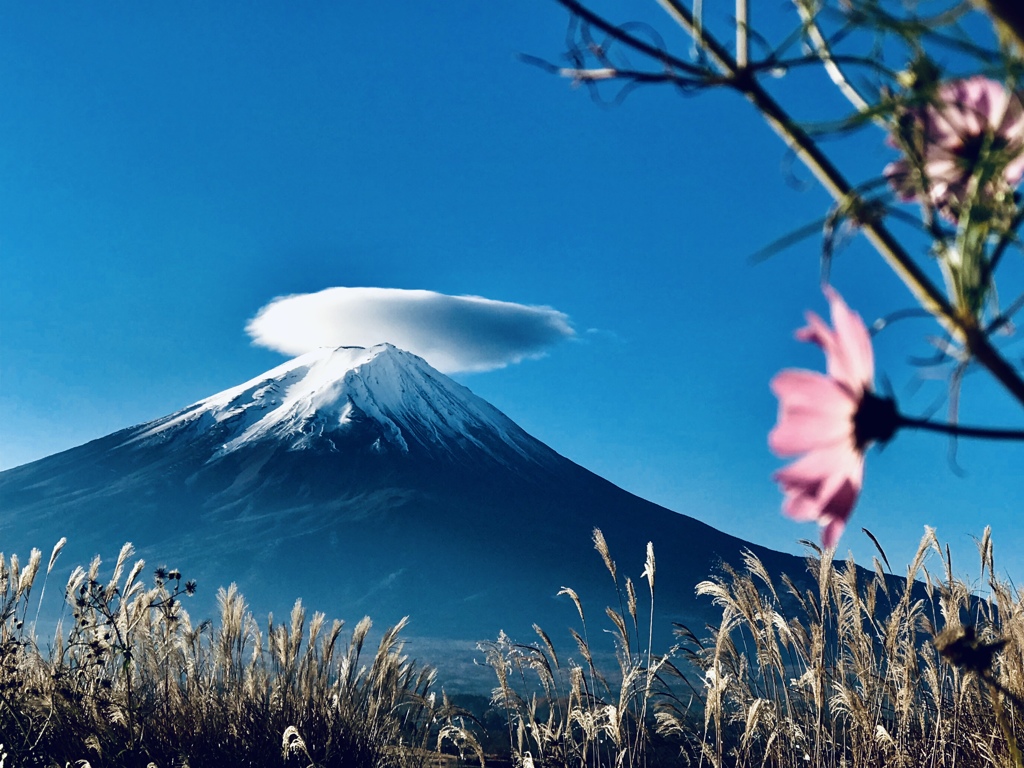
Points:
859	669
134	683
575	713
847	673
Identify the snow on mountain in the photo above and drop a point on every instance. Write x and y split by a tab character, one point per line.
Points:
319	399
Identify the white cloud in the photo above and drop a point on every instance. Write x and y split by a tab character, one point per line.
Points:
452	333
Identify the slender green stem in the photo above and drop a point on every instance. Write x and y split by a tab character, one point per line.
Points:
959	430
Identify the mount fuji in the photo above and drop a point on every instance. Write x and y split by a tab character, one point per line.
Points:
367	483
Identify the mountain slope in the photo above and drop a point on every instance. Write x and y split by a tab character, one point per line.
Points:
365	482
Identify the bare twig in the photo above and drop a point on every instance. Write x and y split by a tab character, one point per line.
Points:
742	24
963	327
824	53
725	70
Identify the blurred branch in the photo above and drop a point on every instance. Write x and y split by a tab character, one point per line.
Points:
742	25
1008	16
962	327
723	69
824	52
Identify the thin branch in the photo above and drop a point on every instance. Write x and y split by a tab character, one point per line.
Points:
792	238
959	430
965	328
824	52
924	291
596	74
634	42
1006	316
742	25
875	65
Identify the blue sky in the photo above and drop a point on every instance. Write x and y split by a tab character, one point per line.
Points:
169	170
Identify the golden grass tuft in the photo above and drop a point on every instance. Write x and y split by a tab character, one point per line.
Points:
838	667
844	667
133	682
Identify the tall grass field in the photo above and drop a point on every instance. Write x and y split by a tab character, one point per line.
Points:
863	669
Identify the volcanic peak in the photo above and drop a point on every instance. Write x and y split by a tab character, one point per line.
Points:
311	401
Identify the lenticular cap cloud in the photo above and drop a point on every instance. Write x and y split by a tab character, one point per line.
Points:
452	333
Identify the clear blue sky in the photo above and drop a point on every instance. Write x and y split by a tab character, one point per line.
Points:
166	170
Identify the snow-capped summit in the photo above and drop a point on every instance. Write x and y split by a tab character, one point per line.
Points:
379	399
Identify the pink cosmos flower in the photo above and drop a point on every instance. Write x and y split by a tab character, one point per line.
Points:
829	420
954	129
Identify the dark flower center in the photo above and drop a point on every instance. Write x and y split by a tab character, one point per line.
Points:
876	419
970	151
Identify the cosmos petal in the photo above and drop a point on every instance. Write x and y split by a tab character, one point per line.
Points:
805	431
818	332
1014	170
815	465
801	505
1012	125
832	531
821	482
810	390
816	422
815	411
853	360
898	174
